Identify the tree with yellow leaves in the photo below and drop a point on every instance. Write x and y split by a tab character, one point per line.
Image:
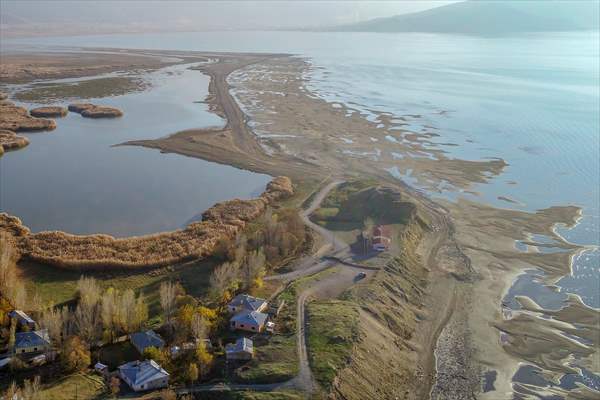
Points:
204	359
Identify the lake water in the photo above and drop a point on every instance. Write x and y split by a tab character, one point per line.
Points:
532	100
72	179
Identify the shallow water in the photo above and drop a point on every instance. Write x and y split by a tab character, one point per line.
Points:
72	179
532	100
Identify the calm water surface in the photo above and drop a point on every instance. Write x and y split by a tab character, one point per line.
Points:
72	179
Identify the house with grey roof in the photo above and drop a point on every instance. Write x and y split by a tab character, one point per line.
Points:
251	321
31	342
142	340
22	318
244	302
242	349
144	375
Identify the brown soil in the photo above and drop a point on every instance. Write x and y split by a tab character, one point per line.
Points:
11	141
48	112
98	252
17	119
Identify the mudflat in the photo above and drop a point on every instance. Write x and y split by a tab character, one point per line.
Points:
276	125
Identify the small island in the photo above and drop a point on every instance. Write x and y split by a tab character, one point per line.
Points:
89	110
11	141
17	119
48	112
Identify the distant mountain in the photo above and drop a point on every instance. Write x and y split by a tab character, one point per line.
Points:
479	17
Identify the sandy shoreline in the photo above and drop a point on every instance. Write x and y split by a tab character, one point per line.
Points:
473	259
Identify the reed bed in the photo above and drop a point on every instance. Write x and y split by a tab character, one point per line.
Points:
103	252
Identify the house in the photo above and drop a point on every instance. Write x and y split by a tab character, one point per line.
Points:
244	302
23	319
144	375
251	321
142	340
242	349
30	342
381	238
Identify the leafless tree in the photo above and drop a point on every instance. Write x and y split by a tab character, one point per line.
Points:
53	320
88	290
108	312
88	321
168	293
254	267
225	277
11	287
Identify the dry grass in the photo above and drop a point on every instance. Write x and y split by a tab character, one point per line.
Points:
98	252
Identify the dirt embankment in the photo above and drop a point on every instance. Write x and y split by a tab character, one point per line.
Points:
383	361
98	252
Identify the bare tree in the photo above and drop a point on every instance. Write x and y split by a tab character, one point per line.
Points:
88	321
11	287
168	293
127	311
31	389
53	320
225	278
254	268
88	291
141	311
108	312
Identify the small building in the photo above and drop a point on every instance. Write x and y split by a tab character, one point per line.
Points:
242	349
142	340
144	375
381	238
23	319
100	368
31	342
244	302
251	321
175	351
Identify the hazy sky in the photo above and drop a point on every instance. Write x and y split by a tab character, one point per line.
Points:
209	14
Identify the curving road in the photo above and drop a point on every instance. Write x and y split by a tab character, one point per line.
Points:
312	264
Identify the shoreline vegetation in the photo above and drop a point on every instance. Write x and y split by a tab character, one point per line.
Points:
89	110
103	252
11	141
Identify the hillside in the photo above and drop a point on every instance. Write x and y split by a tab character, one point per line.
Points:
478	17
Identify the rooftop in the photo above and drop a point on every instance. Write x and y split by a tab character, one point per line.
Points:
241	345
247	302
143	340
140	372
21	316
250	317
32	339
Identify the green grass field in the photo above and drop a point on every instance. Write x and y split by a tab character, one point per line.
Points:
76	386
332	331
57	286
248	395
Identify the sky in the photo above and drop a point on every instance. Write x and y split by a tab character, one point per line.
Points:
207	15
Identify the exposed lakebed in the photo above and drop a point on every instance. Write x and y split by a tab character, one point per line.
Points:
74	179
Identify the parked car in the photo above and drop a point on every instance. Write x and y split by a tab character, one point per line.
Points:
360	275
